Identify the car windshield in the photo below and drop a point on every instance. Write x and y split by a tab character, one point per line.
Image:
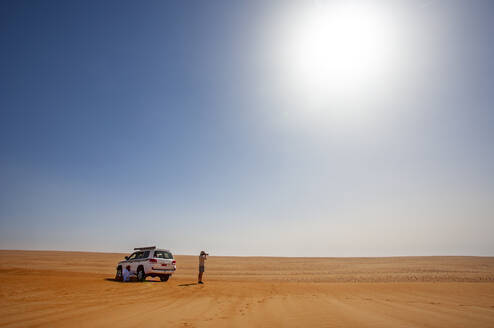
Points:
163	255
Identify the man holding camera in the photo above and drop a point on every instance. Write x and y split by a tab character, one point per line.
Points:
202	258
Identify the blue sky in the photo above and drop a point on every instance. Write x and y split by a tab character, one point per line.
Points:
187	125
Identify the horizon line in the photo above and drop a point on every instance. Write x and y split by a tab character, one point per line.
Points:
265	256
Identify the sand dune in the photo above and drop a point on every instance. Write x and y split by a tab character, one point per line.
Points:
62	289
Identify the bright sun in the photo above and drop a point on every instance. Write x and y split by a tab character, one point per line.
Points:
337	53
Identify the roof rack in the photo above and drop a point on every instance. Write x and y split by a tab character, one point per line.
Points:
144	248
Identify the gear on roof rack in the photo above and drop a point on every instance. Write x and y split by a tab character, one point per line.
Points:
144	248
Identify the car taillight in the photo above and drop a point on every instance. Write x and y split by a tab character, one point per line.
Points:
173	262
153	260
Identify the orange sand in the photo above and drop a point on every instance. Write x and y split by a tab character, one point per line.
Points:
72	289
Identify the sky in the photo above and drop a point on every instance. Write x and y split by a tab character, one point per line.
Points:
270	128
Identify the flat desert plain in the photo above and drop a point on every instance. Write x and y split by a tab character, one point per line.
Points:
75	289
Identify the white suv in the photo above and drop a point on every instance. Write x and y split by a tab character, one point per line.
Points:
148	261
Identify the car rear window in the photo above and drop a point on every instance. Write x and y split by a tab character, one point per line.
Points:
163	255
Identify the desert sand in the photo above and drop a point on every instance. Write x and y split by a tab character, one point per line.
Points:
75	289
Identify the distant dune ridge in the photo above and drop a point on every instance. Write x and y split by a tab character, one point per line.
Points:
61	289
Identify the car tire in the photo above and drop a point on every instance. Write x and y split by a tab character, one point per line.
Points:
141	276
118	275
164	277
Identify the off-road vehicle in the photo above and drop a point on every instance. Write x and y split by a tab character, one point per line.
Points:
148	262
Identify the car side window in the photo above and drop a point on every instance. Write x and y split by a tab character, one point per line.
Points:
145	255
158	254
133	256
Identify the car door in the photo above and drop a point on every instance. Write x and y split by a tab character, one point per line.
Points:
140	259
132	261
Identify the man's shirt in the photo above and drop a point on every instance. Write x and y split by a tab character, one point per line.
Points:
126	275
202	258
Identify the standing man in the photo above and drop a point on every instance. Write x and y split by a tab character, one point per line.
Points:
202	258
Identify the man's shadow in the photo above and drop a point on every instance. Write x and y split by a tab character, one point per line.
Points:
191	284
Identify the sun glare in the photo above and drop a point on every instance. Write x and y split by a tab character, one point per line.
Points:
337	54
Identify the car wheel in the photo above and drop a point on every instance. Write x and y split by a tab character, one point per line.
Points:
141	276
118	276
165	277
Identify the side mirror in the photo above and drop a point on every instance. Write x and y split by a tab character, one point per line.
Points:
126	257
